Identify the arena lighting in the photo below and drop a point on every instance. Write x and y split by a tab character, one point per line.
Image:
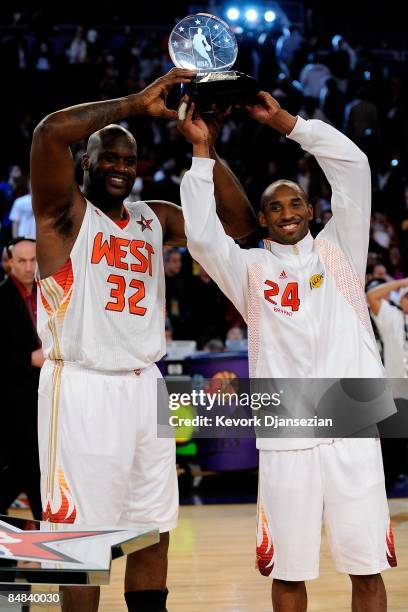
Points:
233	14
269	16
251	15
394	163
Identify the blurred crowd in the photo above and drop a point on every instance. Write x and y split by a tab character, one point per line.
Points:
311	70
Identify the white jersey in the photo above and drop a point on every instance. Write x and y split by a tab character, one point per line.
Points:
304	304
105	308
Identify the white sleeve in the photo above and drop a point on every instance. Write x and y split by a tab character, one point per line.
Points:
386	317
207	241
348	172
15	212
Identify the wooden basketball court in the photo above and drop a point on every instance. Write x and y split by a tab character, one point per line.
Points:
212	566
212	560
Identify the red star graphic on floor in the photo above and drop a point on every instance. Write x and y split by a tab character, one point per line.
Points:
145	223
34	545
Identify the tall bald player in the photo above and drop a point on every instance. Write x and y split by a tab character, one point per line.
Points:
101	320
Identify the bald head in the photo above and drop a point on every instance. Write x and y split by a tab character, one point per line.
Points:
269	192
23	260
109	166
108	136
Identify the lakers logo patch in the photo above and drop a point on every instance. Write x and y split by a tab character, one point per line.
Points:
316	280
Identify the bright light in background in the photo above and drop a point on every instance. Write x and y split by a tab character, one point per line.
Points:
394	163
251	15
233	14
270	16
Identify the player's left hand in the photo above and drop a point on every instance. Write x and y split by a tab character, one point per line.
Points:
194	129
265	109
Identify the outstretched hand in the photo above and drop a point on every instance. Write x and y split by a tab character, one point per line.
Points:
265	108
153	98
195	129
268	111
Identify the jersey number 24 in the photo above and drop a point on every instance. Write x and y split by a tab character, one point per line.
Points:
289	298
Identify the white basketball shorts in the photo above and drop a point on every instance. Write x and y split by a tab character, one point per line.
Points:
340	485
101	460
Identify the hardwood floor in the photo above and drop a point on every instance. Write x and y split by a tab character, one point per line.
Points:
211	567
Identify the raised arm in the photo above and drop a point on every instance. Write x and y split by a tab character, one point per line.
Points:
346	168
57	200
233	207
377	295
207	241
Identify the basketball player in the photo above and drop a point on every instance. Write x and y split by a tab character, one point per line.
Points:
305	307
101	320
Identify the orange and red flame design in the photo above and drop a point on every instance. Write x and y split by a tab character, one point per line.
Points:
66	512
264	549
391	556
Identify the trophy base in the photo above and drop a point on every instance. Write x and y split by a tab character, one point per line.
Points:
221	89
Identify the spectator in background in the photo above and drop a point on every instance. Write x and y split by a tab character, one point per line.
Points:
208	307
21	363
383	232
380	272
389	187
313	76
396	263
176	292
168	329
22	217
235	339
77	51
286	46
332	103
43	56
392	324
214	346
10	189
5	263
342	61
361	118
303	176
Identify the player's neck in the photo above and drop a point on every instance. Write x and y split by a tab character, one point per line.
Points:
112	208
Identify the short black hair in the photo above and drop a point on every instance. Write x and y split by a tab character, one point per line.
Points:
10	245
279	183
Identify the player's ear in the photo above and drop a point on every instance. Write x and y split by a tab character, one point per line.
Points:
262	219
309	211
85	163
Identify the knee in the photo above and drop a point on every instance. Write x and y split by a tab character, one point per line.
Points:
158	550
366	584
162	546
289	585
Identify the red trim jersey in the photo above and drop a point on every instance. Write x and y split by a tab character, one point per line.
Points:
104	309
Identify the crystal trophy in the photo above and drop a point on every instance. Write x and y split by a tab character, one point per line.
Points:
205	43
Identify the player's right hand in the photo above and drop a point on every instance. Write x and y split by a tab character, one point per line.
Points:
194	129
152	99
